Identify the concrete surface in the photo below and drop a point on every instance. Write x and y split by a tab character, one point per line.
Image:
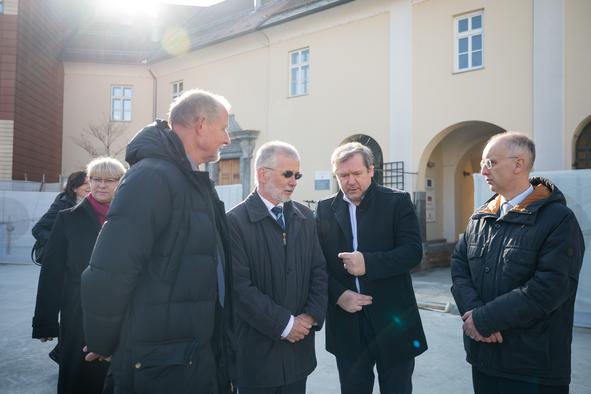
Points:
26	368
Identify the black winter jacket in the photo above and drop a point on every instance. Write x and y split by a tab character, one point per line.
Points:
150	294
42	228
519	275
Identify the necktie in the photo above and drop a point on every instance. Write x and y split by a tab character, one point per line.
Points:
278	212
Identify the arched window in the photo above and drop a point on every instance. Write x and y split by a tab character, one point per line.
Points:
583	149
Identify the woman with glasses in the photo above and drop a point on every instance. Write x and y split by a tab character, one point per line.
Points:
66	255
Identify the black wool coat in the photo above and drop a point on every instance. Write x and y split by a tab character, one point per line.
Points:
150	294
389	239
42	228
66	255
273	280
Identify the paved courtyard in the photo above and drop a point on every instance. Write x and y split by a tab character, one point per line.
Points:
26	368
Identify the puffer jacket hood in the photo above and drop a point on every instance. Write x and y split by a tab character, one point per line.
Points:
545	192
157	141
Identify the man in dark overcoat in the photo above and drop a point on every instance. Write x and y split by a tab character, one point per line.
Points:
370	238
515	273
157	294
280	283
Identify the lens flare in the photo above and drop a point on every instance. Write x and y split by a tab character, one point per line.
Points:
176	41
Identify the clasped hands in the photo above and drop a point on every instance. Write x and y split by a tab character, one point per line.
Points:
471	331
302	324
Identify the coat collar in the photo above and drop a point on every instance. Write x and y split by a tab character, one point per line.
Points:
257	210
85	208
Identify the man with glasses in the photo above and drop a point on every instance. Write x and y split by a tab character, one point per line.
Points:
157	294
370	238
279	279
515	273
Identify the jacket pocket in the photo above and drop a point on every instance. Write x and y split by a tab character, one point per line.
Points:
518	266
165	367
475	255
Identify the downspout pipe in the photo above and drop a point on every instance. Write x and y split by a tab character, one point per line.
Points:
154	93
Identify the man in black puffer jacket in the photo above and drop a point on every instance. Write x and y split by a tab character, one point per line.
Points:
515	273
157	295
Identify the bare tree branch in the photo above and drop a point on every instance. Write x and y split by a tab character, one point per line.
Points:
101	139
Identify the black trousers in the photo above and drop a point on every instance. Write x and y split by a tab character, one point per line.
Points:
487	384
298	387
357	376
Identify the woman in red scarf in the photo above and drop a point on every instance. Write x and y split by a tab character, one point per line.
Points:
66	255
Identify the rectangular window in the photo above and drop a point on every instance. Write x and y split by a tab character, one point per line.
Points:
1	7
468	41
299	72
121	103
177	89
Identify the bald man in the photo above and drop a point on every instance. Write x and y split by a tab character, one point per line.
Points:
515	273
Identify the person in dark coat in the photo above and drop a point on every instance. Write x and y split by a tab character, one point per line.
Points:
156	295
370	237
76	189
67	254
515	273
280	282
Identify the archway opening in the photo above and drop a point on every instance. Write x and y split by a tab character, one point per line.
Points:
583	148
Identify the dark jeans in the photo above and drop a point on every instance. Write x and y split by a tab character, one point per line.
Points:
487	384
357	376
298	387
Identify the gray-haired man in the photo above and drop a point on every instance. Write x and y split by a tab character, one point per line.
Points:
279	279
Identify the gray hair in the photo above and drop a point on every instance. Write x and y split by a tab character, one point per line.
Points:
517	142
266	155
346	151
105	167
194	104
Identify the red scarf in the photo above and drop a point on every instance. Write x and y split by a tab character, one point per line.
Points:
99	208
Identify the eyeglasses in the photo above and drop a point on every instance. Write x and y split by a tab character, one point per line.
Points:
489	164
107	181
288	173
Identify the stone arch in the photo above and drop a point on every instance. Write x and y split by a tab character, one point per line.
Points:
582	145
449	160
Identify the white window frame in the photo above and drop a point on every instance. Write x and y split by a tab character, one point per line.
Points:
301	85
177	88
119	115
469	34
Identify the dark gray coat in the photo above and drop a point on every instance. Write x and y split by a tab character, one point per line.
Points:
519	275
272	282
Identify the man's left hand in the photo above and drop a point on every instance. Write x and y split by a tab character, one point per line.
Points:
353	262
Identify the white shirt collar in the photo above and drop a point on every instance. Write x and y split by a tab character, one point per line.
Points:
269	204
519	198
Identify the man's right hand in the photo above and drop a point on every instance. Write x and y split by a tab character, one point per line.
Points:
301	328
352	301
